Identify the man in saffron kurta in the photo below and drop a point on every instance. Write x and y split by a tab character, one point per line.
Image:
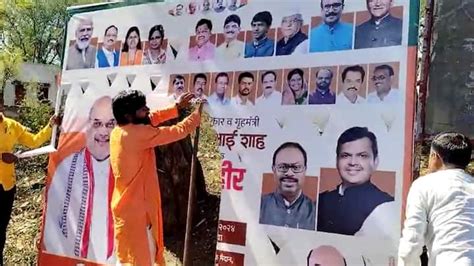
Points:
136	201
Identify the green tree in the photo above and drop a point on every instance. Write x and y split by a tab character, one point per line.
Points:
36	27
10	61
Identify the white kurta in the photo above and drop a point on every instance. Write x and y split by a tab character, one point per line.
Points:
67	238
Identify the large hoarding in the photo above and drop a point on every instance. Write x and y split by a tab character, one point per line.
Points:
312	102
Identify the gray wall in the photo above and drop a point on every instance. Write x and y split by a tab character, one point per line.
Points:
450	103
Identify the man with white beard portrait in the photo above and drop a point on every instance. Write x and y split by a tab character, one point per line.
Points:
82	53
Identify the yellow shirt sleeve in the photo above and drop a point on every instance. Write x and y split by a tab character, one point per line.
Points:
33	140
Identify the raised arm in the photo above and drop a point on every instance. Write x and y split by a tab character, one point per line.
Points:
149	137
414	230
31	140
159	116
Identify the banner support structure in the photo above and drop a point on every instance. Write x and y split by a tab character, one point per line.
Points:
189	215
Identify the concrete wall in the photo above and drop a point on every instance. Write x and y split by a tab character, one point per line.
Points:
450	103
33	73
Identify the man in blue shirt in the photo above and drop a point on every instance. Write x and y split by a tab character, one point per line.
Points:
382	29
332	34
108	56
261	45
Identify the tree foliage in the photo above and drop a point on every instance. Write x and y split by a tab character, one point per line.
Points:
36	28
10	62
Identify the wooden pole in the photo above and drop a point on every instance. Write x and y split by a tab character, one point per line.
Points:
189	216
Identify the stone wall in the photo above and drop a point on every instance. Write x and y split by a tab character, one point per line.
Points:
450	104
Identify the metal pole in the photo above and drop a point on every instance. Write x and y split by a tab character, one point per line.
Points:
189	216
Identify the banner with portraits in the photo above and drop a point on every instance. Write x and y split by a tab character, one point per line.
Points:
312	102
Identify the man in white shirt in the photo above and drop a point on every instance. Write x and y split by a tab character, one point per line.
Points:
270	96
383	93
352	84
231	48
219	96
246	90
78	215
440	207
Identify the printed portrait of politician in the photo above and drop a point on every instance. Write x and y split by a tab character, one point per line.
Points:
245	94
296	88
219	6
353	86
178	86
260	42
268	93
288	205
325	256
381	27
232	45
200	87
324	85
202	46
78	219
108	54
333	30
177	11
82	51
221	90
383	84
132	53
344	209
156	49
293	35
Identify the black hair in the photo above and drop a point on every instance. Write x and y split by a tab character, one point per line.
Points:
178	77
385	67
110	27
125	44
323	0
199	75
158	28
221	74
355	68
454	149
290	145
264	16
204	21
127	102
330	71
245	75
356	133
270	72
232	18
295	71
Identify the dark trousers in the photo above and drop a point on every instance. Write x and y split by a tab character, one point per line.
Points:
6	205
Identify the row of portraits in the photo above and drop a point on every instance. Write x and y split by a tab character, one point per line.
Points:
341	200
333	31
193	7
354	84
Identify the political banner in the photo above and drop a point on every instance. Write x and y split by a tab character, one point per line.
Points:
312	102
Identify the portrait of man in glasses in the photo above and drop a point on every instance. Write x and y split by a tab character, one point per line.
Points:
288	206
383	87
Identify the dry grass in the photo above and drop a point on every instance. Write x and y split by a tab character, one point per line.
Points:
23	232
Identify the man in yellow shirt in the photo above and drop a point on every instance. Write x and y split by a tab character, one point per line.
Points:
136	200
11	134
